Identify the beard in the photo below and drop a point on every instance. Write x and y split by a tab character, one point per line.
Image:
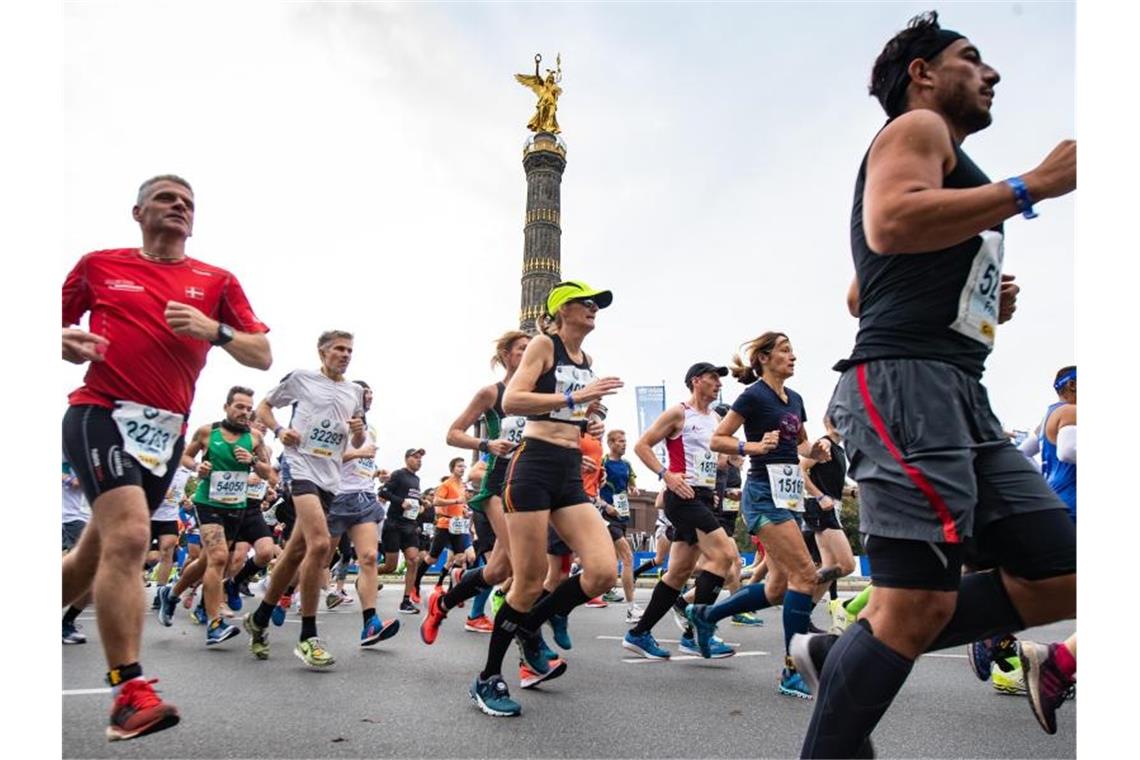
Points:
962	108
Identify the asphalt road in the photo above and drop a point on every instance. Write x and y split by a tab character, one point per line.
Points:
404	699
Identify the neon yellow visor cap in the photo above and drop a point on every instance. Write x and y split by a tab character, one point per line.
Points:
571	290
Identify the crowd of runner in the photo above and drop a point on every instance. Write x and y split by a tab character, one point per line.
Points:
969	540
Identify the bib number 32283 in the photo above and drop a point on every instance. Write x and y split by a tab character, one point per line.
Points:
787	484
149	434
979	301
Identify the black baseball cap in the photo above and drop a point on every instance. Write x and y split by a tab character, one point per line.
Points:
411	452
701	368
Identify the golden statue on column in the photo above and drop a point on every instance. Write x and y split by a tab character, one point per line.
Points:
547	90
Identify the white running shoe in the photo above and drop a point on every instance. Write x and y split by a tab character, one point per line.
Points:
633	614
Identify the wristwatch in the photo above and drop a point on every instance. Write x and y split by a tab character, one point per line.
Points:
225	335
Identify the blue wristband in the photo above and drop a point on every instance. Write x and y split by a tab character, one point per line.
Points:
1021	193
569	398
740	448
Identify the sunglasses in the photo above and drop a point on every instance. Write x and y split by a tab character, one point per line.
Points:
589	303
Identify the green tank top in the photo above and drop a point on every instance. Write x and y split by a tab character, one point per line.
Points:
226	486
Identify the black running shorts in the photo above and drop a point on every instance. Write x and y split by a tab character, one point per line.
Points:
229	519
818	519
484	533
163	528
253	527
399	535
690	515
544	476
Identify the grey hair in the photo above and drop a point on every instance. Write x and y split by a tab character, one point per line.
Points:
145	187
329	336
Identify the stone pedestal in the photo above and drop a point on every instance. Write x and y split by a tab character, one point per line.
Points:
544	159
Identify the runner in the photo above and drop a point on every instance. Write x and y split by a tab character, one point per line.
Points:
662	535
164	529
503	435
327	415
154	315
773	417
620	484
926	231
76	515
355	512
690	478
230	449
555	387
401	534
452	525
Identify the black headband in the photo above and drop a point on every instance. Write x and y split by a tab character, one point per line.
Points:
927	49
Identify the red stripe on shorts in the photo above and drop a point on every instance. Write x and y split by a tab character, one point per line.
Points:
949	532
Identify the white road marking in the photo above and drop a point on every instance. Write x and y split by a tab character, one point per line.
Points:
678	657
663	641
84	692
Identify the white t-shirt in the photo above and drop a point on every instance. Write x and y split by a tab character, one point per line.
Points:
321	411
360	474
74	503
168	510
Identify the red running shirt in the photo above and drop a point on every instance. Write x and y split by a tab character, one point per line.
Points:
145	361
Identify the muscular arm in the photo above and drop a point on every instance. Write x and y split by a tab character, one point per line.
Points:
261	457
190	453
853	297
668	424
520	397
250	349
457	434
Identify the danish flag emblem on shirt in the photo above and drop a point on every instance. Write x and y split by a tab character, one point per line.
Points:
197	293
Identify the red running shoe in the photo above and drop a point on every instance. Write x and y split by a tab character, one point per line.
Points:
138	711
429	629
528	678
481	624
415	596
597	603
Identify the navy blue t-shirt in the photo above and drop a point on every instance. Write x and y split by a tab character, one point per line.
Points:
763	411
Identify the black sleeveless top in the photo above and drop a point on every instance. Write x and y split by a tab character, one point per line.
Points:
940	305
565	375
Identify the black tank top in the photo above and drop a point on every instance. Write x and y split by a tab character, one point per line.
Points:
940	305
565	375
830	477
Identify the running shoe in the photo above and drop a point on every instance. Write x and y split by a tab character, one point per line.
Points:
154	604
808	653
533	651
678	610
219	631
719	650
688	645
188	599
704	630
645	645
408	608
498	596
840	617
981	656
429	629
415	597
167	603
481	624
345	598
746	618
278	614
377	630
545	649
1047	686
233	598
560	625
137	711
613	596
1010	681
633	614
597	603
333	600
793	685
456	576
529	678
243	589
313	653
493	697
199	616
71	634
258	637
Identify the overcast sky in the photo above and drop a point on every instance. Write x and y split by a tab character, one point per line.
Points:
359	167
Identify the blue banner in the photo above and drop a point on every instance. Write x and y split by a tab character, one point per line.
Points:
650	406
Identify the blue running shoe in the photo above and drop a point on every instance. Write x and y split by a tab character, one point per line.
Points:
689	646
278	615
793	685
493	697
219	631
718	650
547	652
531	650
981	655
377	630
645	645
703	629
560	624
200	614
233	598
167	603
746	618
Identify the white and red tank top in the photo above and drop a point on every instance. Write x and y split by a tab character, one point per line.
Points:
689	452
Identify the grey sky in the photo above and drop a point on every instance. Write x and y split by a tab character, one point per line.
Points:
359	167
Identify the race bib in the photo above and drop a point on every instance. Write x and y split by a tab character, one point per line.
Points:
512	431
731	505
228	486
411	508
365	467
621	504
324	438
705	474
570	378
256	492
787	484
459	526
149	434
979	302
429	530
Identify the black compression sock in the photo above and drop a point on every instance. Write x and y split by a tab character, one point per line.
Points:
507	622
308	627
560	601
659	603
708	588
420	571
860	679
833	590
368	613
983	610
262	613
71	614
248	570
644	567
289	590
468	587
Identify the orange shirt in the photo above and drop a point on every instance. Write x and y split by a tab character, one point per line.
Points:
592	449
448	490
